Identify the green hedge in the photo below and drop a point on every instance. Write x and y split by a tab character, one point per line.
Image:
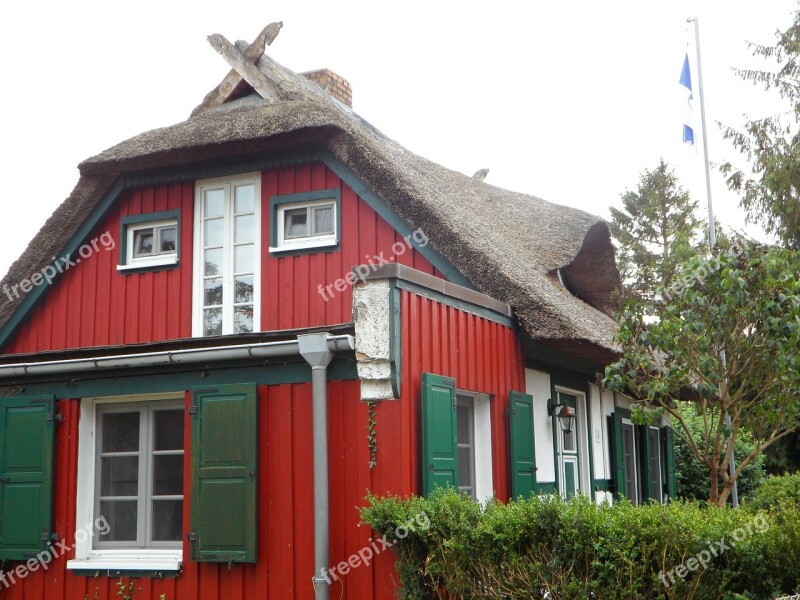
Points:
548	548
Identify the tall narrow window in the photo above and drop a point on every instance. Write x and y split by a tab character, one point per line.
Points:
629	450
656	485
465	424
227	268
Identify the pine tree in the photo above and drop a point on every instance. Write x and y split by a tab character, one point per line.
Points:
655	232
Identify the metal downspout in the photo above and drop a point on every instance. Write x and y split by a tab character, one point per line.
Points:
314	349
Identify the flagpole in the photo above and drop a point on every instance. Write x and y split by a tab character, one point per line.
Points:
712	233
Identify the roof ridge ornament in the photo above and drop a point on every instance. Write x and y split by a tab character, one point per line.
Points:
244	70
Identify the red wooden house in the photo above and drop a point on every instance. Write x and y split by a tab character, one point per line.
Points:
236	326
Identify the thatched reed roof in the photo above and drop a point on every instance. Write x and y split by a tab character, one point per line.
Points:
509	245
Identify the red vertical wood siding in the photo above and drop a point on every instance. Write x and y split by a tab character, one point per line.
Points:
482	356
93	304
286	520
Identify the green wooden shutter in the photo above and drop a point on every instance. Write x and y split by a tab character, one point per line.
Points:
669	462
223	470
618	452
523	452
439	433
26	475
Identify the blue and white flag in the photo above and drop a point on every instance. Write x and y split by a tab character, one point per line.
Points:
686	85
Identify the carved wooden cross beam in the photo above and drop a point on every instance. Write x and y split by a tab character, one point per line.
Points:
243	69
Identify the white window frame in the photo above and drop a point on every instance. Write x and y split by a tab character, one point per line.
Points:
227	184
87	557
153	260
655	453
307	241
482	442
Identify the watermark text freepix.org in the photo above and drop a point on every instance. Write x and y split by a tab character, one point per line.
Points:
360	272
421	522
45	557
49	272
703	558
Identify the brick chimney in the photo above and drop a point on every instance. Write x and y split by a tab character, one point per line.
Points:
336	86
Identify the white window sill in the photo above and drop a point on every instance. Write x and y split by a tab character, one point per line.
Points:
129	561
304	245
146	264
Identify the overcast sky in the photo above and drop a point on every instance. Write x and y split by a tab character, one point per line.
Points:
568	101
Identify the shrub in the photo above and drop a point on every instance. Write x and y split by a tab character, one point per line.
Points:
545	547
775	492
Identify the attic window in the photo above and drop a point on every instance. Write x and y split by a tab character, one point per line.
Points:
304	221
227	271
150	240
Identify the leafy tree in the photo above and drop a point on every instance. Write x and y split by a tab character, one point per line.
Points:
691	475
770	192
745	304
655	231
784	457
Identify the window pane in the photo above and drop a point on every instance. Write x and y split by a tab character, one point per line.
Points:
295	223
168	475
214	204
655	464
243	228
465	467
120	432
323	220
119	476
167	239
243	319
213	292
212	321
463	424
121	518
243	289
213	262
167	520
213	232
630	463
243	259
168	429
569	440
244	201
143	242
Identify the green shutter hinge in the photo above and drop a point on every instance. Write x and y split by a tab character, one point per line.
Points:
193	411
192	536
54	416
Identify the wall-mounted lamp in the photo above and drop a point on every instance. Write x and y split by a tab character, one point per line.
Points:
565	413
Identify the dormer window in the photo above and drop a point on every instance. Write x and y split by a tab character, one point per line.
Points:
305	221
150	241
158	239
